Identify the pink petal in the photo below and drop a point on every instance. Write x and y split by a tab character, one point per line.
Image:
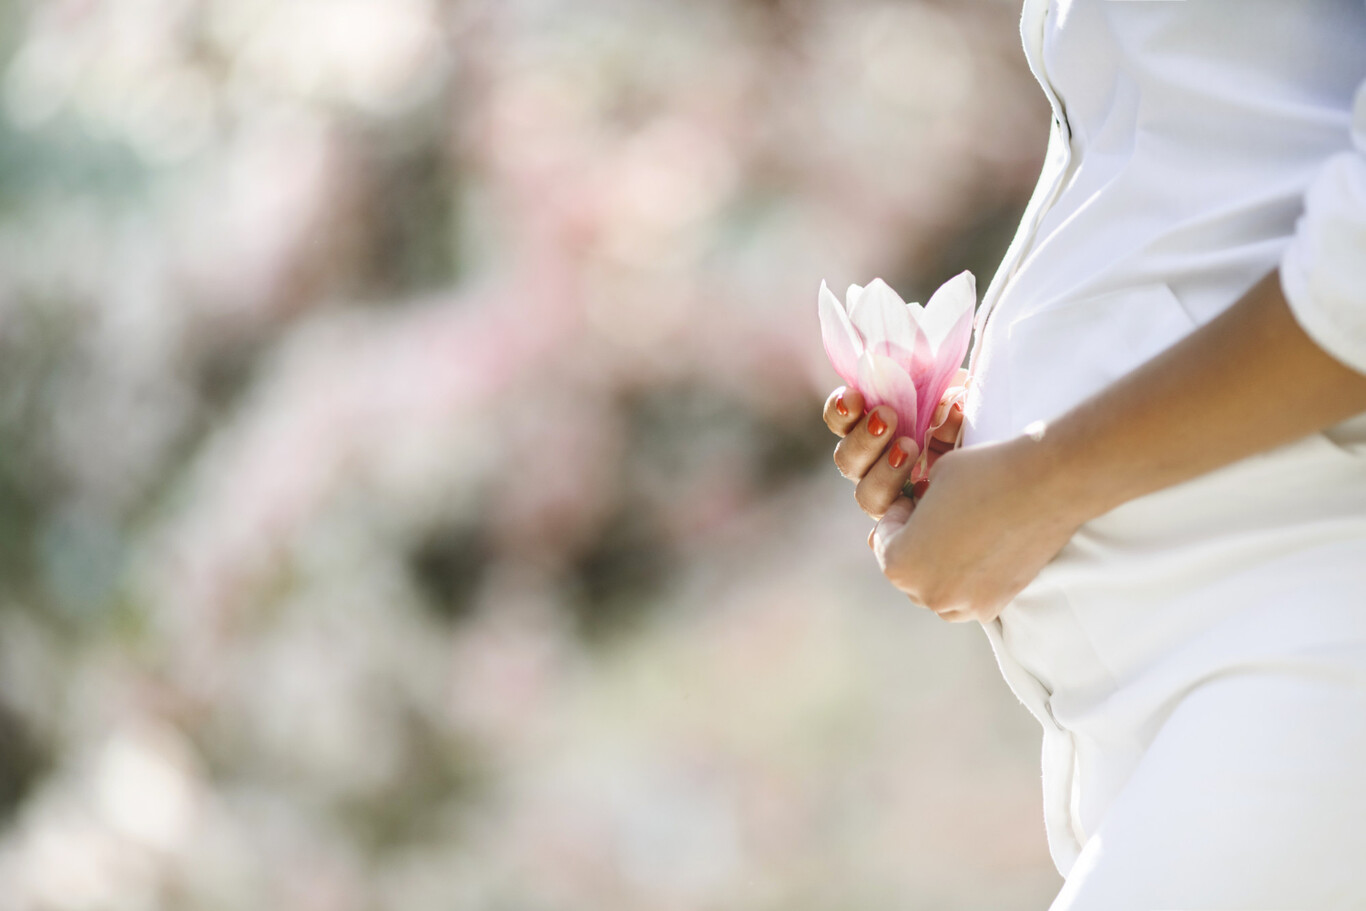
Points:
882	318
843	345
943	330
946	363
954	348
885	382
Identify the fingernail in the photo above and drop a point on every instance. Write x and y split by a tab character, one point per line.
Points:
876	425
919	488
842	408
897	457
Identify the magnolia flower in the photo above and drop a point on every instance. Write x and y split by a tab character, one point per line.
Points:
899	354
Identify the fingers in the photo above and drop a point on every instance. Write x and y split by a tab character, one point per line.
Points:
864	444
881	485
843	409
891	523
881	539
946	431
948	416
937	445
945	426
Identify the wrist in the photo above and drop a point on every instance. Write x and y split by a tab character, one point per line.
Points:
1067	476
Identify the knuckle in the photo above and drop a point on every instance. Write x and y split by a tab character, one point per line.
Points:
862	447
874	495
926	594
851	457
937	599
845	461
903	579
871	500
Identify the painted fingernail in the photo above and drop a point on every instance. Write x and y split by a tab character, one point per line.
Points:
919	488
842	408
897	457
876	425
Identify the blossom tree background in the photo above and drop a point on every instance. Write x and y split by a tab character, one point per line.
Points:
413	493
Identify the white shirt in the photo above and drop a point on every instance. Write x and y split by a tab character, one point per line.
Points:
1197	145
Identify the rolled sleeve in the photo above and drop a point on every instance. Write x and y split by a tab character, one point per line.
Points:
1323	270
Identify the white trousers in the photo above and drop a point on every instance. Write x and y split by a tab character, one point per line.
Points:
1198	661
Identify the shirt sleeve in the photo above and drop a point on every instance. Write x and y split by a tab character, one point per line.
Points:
1323	270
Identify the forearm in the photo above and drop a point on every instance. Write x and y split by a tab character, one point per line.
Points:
1248	381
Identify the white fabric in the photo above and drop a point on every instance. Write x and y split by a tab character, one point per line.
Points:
1196	147
1183	833
1324	269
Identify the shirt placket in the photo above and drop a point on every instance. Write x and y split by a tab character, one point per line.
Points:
1060	773
1059	159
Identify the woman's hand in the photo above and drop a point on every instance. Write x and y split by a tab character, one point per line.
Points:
981	531
992	517
875	458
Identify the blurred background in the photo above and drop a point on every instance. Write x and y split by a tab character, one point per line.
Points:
413	493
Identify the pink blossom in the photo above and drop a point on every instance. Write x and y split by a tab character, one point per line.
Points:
899	354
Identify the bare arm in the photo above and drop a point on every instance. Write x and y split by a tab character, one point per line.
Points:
1249	380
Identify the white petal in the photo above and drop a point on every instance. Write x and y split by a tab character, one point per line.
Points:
842	342
946	306
881	317
851	297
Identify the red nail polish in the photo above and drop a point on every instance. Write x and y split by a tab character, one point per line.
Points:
918	490
876	425
897	457
842	408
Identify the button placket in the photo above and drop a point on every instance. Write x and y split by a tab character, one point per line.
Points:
1033	22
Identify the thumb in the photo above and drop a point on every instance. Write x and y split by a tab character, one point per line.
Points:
890	525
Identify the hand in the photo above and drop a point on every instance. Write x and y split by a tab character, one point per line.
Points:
882	463
995	515
992	517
